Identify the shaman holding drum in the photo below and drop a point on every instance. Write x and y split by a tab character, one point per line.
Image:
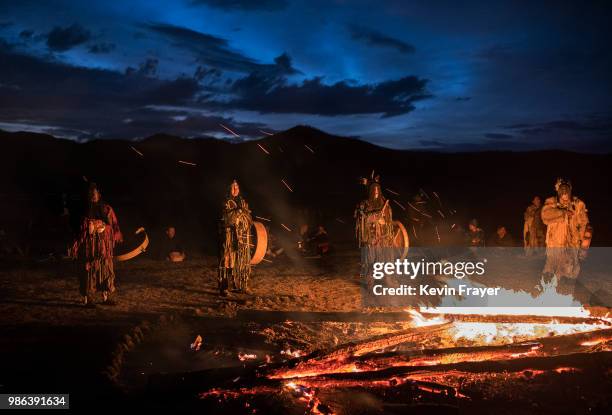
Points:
235	242
374	224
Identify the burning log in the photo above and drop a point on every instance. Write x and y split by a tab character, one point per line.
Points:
337	357
547	346
578	361
507	318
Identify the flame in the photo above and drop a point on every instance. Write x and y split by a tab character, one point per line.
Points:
421	321
511	332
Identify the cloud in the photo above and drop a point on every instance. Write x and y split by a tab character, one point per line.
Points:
98	48
147	68
247	5
432	143
590	132
498	136
596	124
61	39
215	51
274	94
26	34
375	38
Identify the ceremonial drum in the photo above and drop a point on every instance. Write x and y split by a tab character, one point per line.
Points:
259	242
401	241
136	251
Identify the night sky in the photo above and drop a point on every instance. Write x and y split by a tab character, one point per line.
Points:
447	76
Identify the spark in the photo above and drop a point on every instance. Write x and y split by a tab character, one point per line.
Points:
441	214
187	163
286	227
266	219
422	213
414	232
136	151
341	221
281	149
286	185
399	204
391	191
437	234
263	149
265	132
267	260
310	149
229	130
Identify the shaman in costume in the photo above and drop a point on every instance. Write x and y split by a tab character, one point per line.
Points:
235	242
568	231
534	230
374	223
94	248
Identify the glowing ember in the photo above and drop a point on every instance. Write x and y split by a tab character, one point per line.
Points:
292	353
197	343
246	356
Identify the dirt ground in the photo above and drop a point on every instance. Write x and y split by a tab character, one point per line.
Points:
50	343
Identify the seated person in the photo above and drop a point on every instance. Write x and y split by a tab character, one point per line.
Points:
320	241
170	247
274	250
502	238
475	235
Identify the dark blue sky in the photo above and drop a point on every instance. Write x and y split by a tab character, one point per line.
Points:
439	75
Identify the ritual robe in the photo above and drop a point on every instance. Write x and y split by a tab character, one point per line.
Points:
564	235
94	249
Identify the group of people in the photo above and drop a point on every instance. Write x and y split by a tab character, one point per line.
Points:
534	231
561	224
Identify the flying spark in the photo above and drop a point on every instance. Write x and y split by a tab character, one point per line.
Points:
391	191
187	163
263	149
229	130
266	219
399	204
310	149
136	151
265	132
286	185
286	227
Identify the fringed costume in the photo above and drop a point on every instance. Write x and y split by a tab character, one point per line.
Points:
235	243
374	226
94	249
566	235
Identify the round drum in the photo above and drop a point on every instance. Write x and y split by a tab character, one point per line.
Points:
401	241
259	238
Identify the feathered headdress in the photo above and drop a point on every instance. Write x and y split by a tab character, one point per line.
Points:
562	182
